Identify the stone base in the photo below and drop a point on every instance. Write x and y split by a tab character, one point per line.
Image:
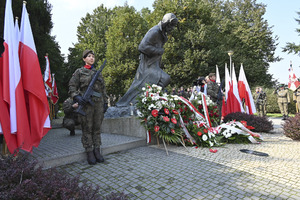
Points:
129	126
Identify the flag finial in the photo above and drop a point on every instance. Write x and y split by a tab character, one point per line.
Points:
25	2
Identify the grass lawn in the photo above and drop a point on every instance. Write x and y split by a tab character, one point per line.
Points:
278	115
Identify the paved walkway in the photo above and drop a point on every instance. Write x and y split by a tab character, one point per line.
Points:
148	173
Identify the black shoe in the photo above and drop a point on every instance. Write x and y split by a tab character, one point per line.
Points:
284	117
72	133
98	156
91	158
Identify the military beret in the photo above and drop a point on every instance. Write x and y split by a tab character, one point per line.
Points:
86	53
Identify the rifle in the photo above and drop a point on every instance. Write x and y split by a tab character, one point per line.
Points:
90	91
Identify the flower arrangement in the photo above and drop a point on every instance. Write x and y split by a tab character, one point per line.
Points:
177	120
158	114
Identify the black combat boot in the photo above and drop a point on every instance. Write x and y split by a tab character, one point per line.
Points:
98	156
91	158
72	132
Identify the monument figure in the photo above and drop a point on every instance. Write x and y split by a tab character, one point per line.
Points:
149	71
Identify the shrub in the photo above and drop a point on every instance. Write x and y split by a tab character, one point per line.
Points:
22	178
260	124
291	127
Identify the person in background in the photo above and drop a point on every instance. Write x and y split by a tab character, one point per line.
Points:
296	98
91	122
213	91
260	99
71	119
283	99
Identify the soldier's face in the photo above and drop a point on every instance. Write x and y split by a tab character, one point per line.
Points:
90	59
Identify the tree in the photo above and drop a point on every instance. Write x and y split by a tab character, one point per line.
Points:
291	47
122	48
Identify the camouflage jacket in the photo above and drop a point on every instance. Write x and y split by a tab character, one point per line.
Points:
80	81
213	90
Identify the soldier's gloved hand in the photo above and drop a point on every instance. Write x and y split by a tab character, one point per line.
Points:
295	101
105	107
80	100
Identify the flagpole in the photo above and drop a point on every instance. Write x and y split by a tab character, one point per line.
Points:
230	53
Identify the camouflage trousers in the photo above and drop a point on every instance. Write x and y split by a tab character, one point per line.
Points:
261	110
91	125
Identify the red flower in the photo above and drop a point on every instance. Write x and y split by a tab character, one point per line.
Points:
199	133
175	112
196	147
174	120
213	150
180	109
154	113
166	111
147	94
166	119
172	130
201	125
156	128
250	127
205	130
244	123
179	103
185	108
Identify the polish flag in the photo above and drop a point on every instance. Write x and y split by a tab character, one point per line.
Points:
233	101
12	95
35	94
293	81
54	94
47	76
245	92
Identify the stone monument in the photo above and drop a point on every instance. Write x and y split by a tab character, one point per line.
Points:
149	70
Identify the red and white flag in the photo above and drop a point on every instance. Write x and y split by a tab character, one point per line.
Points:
293	81
218	80
47	77
33	83
54	94
12	94
245	92
233	101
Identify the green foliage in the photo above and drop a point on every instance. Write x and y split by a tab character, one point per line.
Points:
122	44
291	47
207	30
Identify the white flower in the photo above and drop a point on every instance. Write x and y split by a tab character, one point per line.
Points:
144	100
143	88
204	137
210	134
139	113
211	143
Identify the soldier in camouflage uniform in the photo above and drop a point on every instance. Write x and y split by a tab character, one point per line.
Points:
71	119
91	122
213	91
283	100
260	99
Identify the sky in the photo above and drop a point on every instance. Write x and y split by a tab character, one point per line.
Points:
66	15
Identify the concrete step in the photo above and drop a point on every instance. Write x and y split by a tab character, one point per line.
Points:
59	148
